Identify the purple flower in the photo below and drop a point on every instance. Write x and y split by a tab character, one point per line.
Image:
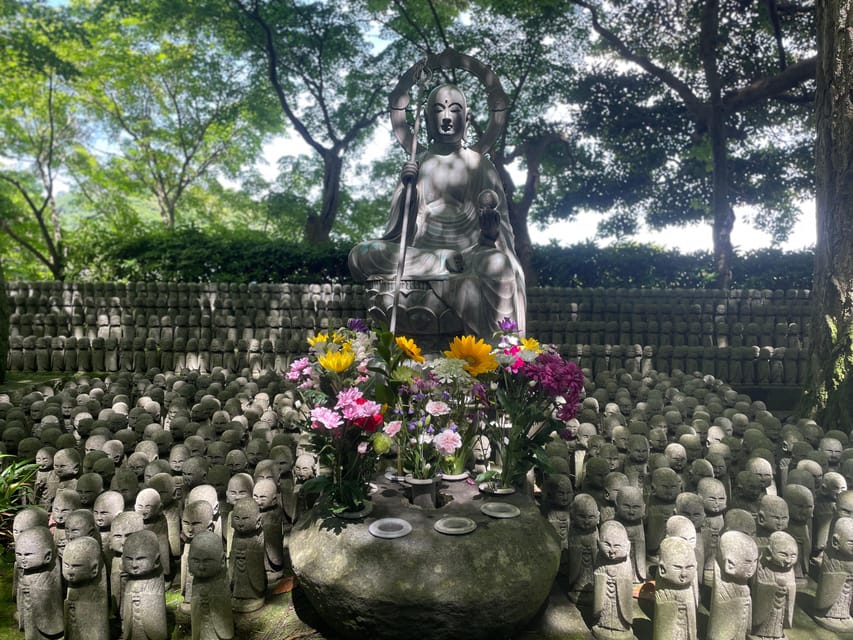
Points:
359	325
508	325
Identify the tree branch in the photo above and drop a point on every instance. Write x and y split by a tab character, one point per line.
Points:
771	87
272	73
691	101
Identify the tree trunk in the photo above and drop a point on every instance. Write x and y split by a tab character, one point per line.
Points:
828	396
523	245
724	215
318	227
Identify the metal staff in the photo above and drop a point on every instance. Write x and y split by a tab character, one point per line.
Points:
401	261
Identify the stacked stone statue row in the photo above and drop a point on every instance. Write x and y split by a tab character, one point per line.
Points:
681	480
661	464
189	482
567	316
740	365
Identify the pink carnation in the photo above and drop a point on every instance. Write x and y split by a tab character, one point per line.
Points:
447	442
362	448
392	428
325	418
299	368
437	408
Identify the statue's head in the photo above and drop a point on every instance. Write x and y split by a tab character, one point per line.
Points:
446	114
141	556
206	558
613	542
34	548
782	551
677	561
81	561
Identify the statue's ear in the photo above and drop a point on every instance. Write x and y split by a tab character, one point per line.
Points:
48	556
761	517
730	565
836	543
662	570
211	526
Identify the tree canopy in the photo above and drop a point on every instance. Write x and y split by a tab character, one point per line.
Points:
135	115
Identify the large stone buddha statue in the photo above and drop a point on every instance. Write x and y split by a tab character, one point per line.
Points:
461	273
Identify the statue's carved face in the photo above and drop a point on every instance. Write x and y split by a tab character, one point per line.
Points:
447	113
678	568
783	553
205	562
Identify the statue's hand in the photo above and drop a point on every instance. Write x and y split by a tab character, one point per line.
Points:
409	173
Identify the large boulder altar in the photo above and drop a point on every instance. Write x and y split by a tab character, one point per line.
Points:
488	583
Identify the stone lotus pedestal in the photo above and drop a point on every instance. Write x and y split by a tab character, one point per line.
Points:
485	584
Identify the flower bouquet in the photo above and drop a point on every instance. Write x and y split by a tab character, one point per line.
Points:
343	420
532	393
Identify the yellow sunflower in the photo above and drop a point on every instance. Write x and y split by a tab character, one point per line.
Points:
325	337
337	361
531	344
475	352
409	348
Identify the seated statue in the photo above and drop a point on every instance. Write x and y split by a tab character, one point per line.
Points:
460	246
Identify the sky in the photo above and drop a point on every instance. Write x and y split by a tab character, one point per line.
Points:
686	239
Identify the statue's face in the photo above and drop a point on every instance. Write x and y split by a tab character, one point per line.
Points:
832	448
657	439
236	462
44	460
783	554
679	570
193	522
64	466
773	517
677	457
561	495
801	508
77	527
638	453
140	561
78	568
447	114
177	457
61	509
614	546
264	495
741	563
303	469
762	470
585	432
30	553
244	520
694	512
103	514
630	508
585	517
147	504
714	499
205	562
666	488
237	489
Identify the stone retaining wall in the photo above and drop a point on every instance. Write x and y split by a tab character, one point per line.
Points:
744	337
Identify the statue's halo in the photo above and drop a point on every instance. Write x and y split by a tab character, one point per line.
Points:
449	59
